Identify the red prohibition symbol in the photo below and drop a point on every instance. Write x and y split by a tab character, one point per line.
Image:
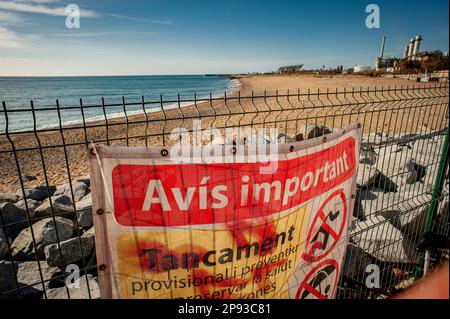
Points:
320	282
333	209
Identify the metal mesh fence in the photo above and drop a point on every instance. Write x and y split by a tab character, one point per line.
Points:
404	130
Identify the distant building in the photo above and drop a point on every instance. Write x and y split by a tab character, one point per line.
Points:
290	69
361	68
384	64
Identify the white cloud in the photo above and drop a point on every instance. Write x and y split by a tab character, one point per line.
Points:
119	16
29	7
37	1
99	34
10	18
11	40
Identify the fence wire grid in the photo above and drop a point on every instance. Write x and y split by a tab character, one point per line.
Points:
403	128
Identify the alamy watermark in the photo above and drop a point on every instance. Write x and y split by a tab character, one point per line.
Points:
72	280
73	16
373	277
373	19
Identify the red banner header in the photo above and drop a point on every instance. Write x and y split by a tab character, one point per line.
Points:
199	194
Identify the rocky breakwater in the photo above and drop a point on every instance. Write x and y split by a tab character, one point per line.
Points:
46	233
394	189
394	184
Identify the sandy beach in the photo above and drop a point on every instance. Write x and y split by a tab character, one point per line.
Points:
291	115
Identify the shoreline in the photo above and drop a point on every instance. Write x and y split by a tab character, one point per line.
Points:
114	116
148	128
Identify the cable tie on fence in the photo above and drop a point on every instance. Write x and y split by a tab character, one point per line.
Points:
102	173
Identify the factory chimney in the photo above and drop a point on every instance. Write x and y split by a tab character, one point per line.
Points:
382	47
410	49
405	54
416	49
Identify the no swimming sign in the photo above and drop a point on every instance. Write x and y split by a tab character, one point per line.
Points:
228	225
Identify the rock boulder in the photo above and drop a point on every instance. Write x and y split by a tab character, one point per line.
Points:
78	290
38	193
44	234
61	204
3	245
318	130
8	197
31	204
356	261
84	212
7	276
15	220
380	239
79	189
70	250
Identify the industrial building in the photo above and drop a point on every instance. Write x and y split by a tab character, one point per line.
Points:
361	68
290	69
412	50
390	64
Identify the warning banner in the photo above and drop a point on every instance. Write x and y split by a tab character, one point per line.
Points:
227	227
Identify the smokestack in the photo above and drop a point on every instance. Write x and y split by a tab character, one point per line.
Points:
416	48
382	47
405	54
410	50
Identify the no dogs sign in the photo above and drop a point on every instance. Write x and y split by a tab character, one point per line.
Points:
228	225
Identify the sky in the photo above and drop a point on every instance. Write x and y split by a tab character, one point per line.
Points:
146	37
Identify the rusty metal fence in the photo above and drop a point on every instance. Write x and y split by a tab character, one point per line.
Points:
45	182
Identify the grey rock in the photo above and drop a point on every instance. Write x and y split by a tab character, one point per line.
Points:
362	196
7	279
367	161
299	137
385	183
380	239
8	197
367	175
84	212
415	172
15	220
281	137
44	234
61	204
412	177
368	152
79	189
356	261
30	203
373	138
410	222
70	250
3	245
318	130
78	290
29	274
85	179
38	193
379	202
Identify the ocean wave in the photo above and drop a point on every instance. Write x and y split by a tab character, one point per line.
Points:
23	121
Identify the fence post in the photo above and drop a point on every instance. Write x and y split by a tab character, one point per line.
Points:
437	192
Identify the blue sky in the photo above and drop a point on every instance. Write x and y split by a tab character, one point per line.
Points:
216	36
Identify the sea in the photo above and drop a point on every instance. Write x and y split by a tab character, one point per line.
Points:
18	92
